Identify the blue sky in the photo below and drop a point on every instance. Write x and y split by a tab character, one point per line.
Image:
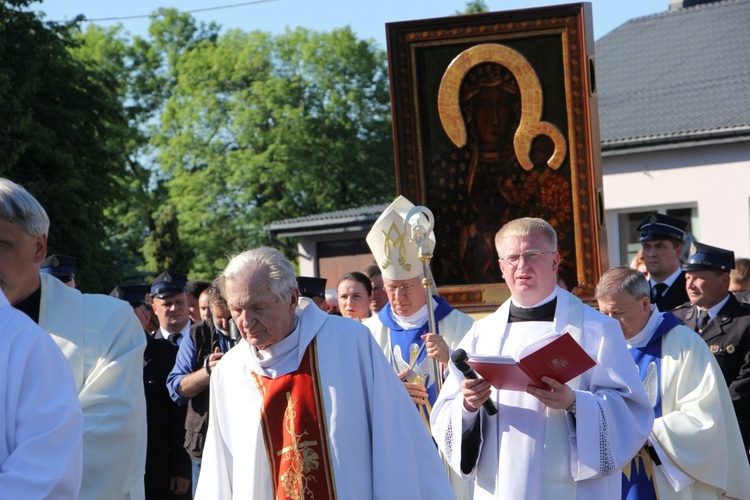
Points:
367	18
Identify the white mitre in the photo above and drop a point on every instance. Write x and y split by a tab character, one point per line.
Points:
391	245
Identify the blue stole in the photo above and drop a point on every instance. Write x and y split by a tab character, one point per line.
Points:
637	477
408	340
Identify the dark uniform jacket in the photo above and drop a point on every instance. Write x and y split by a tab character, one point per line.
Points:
676	295
728	337
165	455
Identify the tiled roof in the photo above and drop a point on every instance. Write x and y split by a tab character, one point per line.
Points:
352	219
679	75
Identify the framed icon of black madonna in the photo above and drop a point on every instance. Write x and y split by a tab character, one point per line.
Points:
495	118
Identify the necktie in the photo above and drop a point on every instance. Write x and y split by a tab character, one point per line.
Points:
659	290
702	320
173	337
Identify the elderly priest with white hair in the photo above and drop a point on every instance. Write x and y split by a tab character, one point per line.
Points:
306	406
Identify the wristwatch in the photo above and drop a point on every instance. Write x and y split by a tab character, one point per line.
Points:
206	365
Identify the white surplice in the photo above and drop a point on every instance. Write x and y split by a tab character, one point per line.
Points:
528	451
697	435
103	342
41	446
378	445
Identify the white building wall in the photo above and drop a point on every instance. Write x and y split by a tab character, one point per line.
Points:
714	179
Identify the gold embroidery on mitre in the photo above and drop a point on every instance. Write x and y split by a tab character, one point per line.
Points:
300	456
399	242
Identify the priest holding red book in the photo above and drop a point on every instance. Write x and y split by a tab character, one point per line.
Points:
567	442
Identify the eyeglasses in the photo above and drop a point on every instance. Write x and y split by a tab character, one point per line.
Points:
529	257
402	288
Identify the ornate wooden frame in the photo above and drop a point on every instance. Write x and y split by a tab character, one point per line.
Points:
553	44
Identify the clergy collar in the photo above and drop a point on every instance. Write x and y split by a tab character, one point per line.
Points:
643	337
543	310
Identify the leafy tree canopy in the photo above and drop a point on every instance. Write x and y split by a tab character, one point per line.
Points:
62	136
236	130
260	128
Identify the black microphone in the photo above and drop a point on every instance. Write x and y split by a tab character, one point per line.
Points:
234	332
459	358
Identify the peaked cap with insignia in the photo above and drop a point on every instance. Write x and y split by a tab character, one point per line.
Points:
135	295
661	226
705	257
168	283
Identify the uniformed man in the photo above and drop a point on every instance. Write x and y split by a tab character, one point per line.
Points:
62	267
662	239
168	467
135	295
314	289
169	293
722	321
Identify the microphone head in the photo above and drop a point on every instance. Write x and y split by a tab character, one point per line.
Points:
459	356
234	331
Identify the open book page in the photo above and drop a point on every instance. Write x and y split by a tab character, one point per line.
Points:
535	346
521	352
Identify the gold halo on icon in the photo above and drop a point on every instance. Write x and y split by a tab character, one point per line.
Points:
532	101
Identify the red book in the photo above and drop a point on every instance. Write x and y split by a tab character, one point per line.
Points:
561	359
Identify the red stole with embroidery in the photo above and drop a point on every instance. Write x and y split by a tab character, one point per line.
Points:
295	434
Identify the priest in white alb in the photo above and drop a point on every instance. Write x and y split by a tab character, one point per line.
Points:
569	442
695	449
306	406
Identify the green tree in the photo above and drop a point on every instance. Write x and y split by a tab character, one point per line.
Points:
144	70
164	250
62	136
475	7
187	136
261	128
